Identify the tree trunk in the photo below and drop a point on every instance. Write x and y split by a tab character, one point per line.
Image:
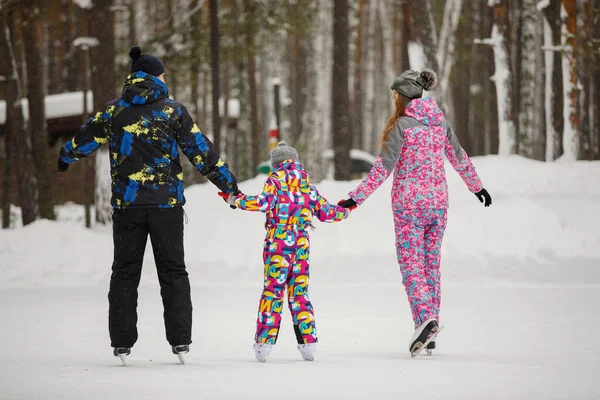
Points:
514	44
406	23
196	38
69	32
357	108
340	122
584	22
251	53
15	125
490	105
103	82
503	79
531	144
132	21
476	94
34	41
571	83
555	86
297	78
595	99
8	153
428	33
214	53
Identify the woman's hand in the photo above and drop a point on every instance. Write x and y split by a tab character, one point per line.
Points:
484	197
348	203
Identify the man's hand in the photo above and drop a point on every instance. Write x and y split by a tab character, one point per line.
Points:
229	198
62	166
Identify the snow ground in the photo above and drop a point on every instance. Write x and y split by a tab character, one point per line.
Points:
519	279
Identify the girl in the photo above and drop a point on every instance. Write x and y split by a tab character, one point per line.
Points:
413	142
290	202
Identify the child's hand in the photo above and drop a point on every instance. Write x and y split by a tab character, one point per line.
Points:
229	198
348	203
347	212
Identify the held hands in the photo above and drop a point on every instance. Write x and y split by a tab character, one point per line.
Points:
230	198
484	197
348	203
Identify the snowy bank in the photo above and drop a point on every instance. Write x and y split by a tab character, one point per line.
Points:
543	227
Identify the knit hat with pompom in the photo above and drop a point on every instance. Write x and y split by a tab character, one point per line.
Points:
411	83
145	62
281	153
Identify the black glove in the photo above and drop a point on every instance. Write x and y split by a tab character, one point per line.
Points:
348	203
62	166
483	195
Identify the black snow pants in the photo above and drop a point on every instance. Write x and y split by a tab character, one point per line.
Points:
130	233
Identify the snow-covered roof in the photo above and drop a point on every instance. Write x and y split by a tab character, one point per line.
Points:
57	106
84	3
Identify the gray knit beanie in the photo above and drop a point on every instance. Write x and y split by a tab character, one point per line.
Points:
281	153
411	83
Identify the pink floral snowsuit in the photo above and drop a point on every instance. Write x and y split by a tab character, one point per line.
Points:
414	149
290	202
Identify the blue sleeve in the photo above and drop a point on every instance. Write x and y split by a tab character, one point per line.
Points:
89	138
200	151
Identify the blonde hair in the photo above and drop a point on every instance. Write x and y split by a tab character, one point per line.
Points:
399	108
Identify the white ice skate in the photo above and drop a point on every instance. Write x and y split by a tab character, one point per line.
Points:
423	336
308	351
262	351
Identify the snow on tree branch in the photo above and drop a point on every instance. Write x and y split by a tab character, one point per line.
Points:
543	4
86	41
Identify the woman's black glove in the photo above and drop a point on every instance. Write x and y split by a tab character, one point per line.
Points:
484	197
348	203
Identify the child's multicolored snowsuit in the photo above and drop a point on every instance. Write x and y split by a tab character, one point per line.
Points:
414	149
290	202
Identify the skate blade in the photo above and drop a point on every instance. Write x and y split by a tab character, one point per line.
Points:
181	359
423	346
123	358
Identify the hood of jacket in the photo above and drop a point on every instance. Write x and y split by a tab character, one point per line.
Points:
426	111
292	173
143	88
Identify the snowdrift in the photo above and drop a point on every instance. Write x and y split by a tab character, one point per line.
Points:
543	227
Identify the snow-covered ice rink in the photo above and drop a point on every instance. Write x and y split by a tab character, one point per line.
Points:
520	305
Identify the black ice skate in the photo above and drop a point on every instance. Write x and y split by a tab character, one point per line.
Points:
430	347
122	352
423	337
180	350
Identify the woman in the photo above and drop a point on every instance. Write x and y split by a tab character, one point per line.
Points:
413	142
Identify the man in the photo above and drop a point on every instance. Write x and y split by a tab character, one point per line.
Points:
143	128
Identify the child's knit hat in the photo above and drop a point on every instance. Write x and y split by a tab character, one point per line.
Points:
281	153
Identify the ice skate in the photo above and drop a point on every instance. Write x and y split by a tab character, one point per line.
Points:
122	353
262	351
430	347
307	351
423	336
180	350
